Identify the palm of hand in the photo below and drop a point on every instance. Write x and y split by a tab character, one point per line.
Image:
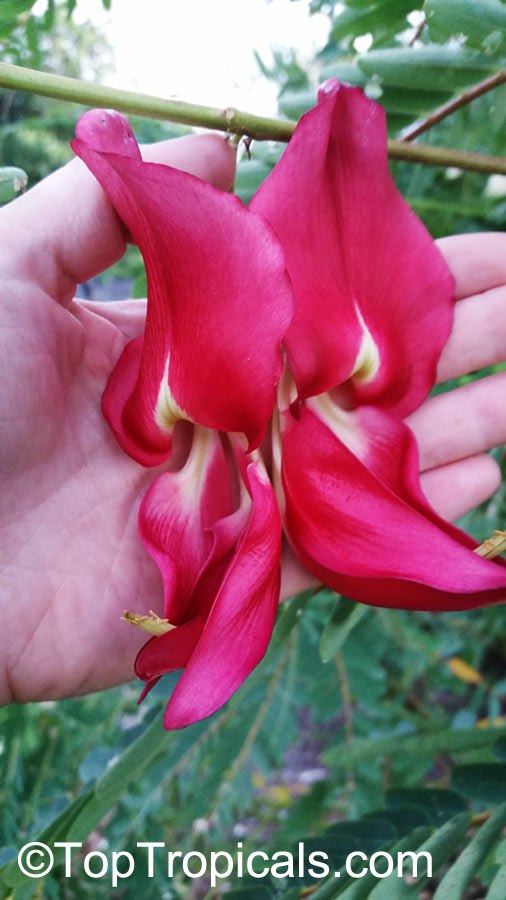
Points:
71	559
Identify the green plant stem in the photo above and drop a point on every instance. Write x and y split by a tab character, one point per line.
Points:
229	120
59	87
488	84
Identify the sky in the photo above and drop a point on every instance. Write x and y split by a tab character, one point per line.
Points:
202	51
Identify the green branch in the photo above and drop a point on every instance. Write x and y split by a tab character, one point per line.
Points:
447	109
231	121
59	87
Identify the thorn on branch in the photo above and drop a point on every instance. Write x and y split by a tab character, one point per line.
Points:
247	141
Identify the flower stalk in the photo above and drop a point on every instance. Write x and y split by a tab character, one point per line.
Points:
228	120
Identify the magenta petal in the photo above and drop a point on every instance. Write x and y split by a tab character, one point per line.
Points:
240	623
219	301
373	295
108	131
176	520
213	528
126	418
357	519
168	652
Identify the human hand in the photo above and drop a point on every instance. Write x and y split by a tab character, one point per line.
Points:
455	429
70	557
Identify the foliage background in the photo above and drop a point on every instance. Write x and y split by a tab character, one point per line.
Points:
362	728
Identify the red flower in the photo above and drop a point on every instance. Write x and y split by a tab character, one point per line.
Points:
219	303
220	563
373	310
363	313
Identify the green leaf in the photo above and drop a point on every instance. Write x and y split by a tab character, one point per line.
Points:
12	181
349	888
408	6
500	853
431	68
412	746
291	894
479	208
439	804
345	616
336	847
478	21
56	831
458	877
411	103
82	816
347	837
153	743
440	846
344	71
11	9
50	15
497	889
377	18
259	892
293	104
371	833
250	174
404	818
484	782
304	814
500	749
289	613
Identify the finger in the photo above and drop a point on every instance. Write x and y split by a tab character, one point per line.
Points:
64	231
455	489
294	578
126	315
478	338
478	261
461	423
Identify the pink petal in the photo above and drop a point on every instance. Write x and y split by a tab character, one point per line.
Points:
241	620
168	652
128	419
213	528
107	131
373	296
356	517
176	521
219	301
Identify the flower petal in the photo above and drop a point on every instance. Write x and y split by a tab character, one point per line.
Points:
373	296
214	530
168	652
357	518
241	620
176	520
219	301
107	131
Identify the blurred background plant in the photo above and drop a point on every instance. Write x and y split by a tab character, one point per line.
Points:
363	728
